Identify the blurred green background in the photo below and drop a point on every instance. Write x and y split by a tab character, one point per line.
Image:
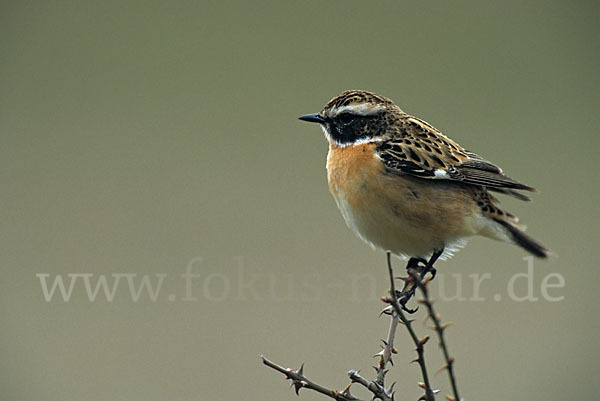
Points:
139	137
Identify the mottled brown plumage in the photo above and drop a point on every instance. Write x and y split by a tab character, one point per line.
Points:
403	186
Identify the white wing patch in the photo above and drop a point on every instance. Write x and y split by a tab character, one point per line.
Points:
441	173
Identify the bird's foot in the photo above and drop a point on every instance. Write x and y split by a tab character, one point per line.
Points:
430	269
417	269
420	268
403	297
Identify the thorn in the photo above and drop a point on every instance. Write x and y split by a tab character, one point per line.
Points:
298	384
428	302
303	383
446	325
394	350
422	385
346	391
300	371
413	361
450	398
423	341
441	368
388	310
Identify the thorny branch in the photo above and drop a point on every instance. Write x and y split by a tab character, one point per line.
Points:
300	381
419	343
377	387
439	328
385	355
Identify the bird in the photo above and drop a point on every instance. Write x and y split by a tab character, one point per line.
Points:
404	187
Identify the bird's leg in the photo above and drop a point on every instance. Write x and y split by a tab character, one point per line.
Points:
416	271
408	291
429	265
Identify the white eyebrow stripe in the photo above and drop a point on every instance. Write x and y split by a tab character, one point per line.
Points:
362	109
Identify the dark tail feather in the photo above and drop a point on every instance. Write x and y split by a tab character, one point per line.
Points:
524	240
511	192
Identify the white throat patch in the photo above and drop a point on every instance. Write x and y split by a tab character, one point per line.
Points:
355	143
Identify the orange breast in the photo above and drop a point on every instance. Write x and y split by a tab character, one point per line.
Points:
404	214
350	168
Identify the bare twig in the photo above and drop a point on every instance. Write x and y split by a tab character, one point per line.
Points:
377	387
419	343
439	328
300	381
385	356
378	390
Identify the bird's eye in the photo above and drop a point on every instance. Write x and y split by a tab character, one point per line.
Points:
346	118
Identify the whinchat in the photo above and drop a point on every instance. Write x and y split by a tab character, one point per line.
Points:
404	187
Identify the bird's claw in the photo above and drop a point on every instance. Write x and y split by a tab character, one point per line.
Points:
403	297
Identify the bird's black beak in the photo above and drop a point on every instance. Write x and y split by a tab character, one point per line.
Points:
313	118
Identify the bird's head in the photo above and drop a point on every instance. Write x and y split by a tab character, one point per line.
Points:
355	117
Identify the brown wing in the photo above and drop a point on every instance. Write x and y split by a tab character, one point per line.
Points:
419	149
